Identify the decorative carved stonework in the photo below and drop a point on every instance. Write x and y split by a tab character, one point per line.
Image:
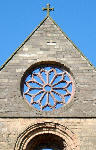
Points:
48	87
63	138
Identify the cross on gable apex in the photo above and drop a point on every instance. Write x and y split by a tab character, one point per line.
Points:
48	9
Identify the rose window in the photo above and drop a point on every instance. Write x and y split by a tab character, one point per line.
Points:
48	88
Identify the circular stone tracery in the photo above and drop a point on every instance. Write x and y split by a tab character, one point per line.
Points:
48	88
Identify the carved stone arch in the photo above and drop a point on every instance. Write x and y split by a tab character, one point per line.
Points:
62	136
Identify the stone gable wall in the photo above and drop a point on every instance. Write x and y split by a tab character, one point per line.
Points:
49	44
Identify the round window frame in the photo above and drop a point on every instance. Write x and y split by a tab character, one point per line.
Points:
49	64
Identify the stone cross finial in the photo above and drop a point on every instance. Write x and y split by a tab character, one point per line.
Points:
48	9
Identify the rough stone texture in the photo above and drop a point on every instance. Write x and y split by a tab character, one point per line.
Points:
48	43
84	129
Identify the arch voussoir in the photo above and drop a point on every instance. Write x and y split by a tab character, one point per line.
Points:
47	128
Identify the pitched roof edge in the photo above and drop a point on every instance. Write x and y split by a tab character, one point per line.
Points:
73	43
2	66
17	49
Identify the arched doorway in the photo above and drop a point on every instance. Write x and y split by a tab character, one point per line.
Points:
46	141
47	136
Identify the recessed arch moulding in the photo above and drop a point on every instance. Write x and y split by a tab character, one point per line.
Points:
64	138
